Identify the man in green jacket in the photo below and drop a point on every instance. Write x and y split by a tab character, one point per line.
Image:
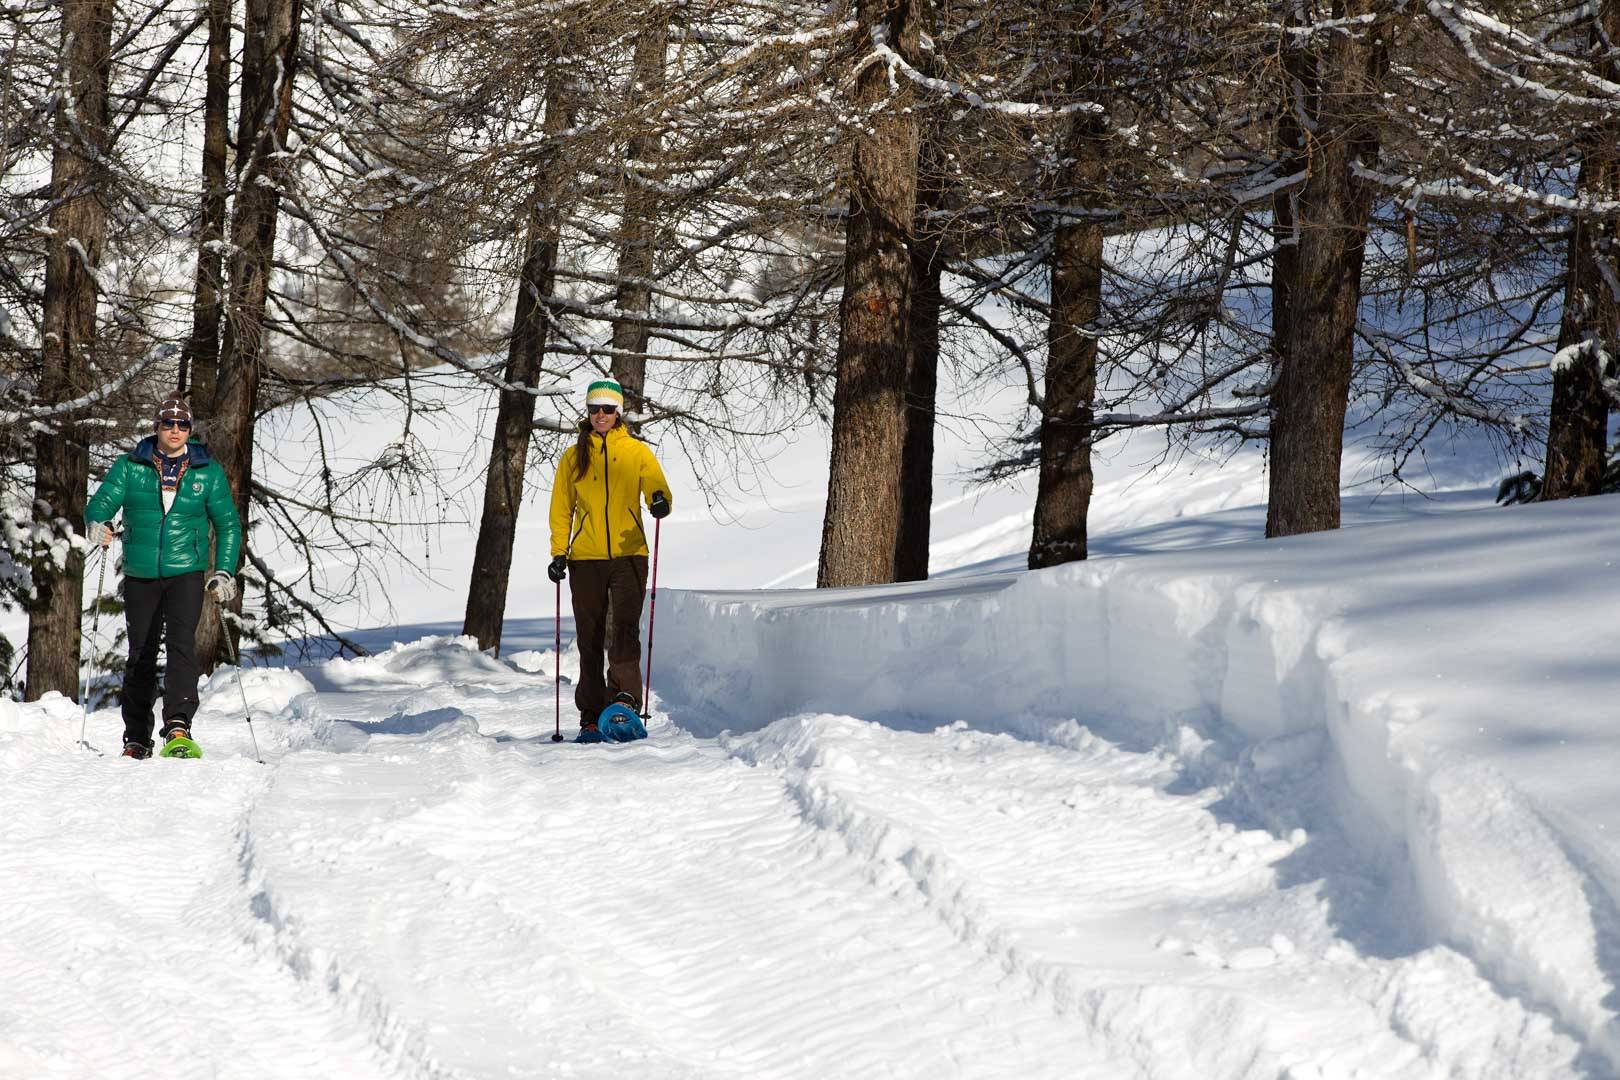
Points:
169	490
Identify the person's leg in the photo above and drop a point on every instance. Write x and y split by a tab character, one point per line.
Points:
588	586
142	601
627	589
182	604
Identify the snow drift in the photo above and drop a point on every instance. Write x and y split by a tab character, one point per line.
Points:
1428	693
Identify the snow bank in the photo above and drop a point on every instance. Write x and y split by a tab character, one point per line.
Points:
1438	693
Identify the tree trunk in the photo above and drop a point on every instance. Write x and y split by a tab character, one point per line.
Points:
1063	492
269	55
638	226
1578	428
1339	75
862	524
922	372
922	383
201	356
79	227
514	417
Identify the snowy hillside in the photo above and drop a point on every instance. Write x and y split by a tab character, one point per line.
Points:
1339	806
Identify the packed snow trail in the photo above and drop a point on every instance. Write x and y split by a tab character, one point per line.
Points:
421	884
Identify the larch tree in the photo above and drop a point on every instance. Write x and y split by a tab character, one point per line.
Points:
862	523
78	224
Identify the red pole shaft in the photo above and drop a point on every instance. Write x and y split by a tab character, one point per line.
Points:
652	613
557	735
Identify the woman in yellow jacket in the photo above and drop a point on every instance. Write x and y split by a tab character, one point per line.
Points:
596	532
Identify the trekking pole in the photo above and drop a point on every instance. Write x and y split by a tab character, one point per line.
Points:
236	658
556	735
652	613
95	630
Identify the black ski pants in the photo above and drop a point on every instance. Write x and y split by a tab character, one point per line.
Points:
607	595
161	611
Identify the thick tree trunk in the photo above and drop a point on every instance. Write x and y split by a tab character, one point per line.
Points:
1339	74
1063	492
922	372
201	356
1578	428
922	383
638	228
269	56
514	417
859	534
79	227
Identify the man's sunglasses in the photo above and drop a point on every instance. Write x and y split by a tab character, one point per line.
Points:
609	409
183	425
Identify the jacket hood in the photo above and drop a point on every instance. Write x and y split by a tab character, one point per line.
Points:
144	449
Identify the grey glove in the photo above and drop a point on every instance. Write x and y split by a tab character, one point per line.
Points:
222	585
99	532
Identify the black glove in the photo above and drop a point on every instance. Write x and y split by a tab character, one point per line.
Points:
558	568
659	504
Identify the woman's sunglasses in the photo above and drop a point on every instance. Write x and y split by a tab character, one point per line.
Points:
609	409
183	425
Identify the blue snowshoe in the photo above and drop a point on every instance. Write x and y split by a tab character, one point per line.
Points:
619	723
589	732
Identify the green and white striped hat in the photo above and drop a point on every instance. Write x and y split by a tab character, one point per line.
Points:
605	392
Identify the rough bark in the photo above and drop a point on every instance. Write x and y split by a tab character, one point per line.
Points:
1589	335
269	56
862	523
638	228
1337	77
514	416
201	355
79	227
1063	492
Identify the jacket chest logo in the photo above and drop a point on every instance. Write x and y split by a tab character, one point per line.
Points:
196	487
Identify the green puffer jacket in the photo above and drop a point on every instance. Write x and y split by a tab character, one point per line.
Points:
158	545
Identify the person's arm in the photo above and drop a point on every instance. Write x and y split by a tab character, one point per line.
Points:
653	482
109	497
562	504
227	525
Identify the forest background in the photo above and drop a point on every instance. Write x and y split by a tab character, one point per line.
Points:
1244	222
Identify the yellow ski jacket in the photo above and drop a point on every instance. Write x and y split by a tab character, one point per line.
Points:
598	515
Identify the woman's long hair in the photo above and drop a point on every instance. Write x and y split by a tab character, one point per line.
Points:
582	448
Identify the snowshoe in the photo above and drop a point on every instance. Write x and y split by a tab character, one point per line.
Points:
619	723
138	751
178	744
589	732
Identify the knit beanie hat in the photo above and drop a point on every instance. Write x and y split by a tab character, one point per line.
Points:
173	408
605	392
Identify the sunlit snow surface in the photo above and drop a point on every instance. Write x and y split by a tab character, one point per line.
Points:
1340	806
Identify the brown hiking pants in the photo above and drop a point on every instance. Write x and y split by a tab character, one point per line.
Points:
607	595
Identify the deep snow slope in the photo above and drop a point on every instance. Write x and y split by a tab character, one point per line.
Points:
1433	702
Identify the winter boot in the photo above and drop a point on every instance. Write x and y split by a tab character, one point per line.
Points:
588	731
138	751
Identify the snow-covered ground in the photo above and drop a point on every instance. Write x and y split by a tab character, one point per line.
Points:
1337	806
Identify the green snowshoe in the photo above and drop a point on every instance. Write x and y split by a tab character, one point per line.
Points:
180	745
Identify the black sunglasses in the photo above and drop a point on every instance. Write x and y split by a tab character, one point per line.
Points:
183	425
609	409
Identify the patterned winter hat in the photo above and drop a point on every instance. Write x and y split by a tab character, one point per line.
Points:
605	392
173	408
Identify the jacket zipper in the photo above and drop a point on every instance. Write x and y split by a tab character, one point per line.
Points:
607	504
